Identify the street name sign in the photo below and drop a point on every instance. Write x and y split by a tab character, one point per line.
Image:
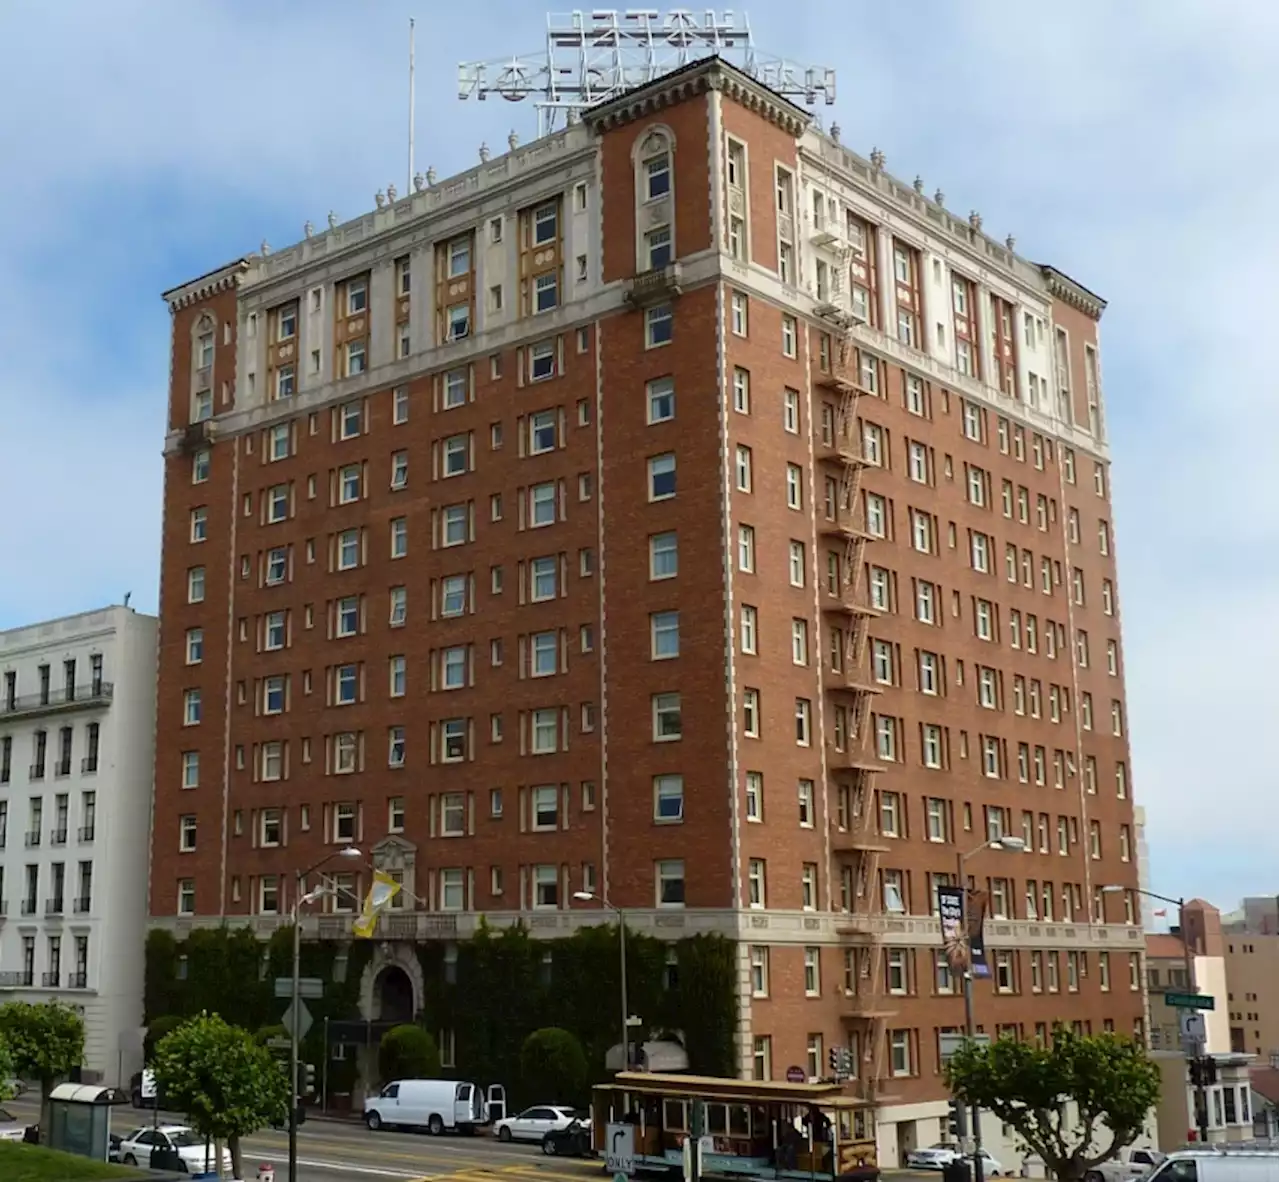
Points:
1189	1001
311	987
948	1044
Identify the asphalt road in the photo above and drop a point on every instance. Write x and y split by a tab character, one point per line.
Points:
342	1151
345	1151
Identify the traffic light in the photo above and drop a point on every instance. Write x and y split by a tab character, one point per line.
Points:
956	1122
840	1059
1204	1072
309	1079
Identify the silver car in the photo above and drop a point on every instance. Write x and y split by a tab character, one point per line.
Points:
11	1128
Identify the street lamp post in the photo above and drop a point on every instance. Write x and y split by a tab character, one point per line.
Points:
1189	966
295	998
1013	844
590	897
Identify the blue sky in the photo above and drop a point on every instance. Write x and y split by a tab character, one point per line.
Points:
1133	145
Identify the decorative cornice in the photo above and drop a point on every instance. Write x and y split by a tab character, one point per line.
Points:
1063	287
206	285
697	78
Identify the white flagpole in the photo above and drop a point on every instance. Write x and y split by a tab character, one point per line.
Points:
409	186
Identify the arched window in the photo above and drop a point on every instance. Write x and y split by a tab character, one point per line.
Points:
653	164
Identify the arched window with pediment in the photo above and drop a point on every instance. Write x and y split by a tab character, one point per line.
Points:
203	341
653	165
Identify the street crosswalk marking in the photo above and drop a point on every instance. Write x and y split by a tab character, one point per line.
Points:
535	1171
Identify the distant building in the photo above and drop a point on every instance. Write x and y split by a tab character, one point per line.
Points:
77	721
1229	1101
1252	951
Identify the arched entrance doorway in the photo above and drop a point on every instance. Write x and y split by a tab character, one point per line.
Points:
393	995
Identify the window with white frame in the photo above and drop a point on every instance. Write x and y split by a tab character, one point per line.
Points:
661	400
659	326
542	361
453	740
542	505
929	673
666	717
664	630
669	875
543	578
662	477
795	553
746	548
795	486
756	882
803	713
544	730
546	888
886	738
668	798
663	556
747	616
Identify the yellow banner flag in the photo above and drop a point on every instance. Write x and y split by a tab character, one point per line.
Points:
383	889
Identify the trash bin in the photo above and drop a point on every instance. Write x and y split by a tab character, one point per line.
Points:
957	1170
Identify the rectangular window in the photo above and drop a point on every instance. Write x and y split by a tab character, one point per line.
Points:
664	635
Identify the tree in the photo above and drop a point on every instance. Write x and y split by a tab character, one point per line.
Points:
45	1041
228	1085
408	1052
1112	1082
6	1069
156	1031
553	1066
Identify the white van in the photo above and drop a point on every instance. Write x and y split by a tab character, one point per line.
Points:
437	1105
1212	1165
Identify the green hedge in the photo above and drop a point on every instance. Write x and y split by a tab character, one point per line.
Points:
502	986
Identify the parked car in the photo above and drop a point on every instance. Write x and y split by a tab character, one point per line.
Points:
933	1158
534	1123
1132	1163
136	1148
11	1128
574	1140
940	1155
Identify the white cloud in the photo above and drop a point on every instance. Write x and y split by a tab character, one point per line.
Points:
1132	145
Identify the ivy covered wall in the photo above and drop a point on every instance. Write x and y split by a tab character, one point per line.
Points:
491	991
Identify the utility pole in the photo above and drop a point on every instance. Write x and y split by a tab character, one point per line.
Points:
1197	1047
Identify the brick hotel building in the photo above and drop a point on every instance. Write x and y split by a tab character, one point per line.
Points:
680	509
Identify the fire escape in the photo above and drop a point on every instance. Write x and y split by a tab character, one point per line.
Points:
851	761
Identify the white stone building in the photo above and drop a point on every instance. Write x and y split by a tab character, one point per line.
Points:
77	727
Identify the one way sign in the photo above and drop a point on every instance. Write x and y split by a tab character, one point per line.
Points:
620	1149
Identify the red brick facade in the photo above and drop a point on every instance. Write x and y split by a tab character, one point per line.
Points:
609	831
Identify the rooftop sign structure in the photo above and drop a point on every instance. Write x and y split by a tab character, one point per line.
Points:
595	56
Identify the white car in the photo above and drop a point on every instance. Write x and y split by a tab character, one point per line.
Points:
937	1156
11	1128
933	1158
136	1147
534	1123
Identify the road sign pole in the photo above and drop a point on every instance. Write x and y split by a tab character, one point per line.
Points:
295	1006
1201	1100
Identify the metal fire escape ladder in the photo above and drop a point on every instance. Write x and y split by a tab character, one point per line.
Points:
856	841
